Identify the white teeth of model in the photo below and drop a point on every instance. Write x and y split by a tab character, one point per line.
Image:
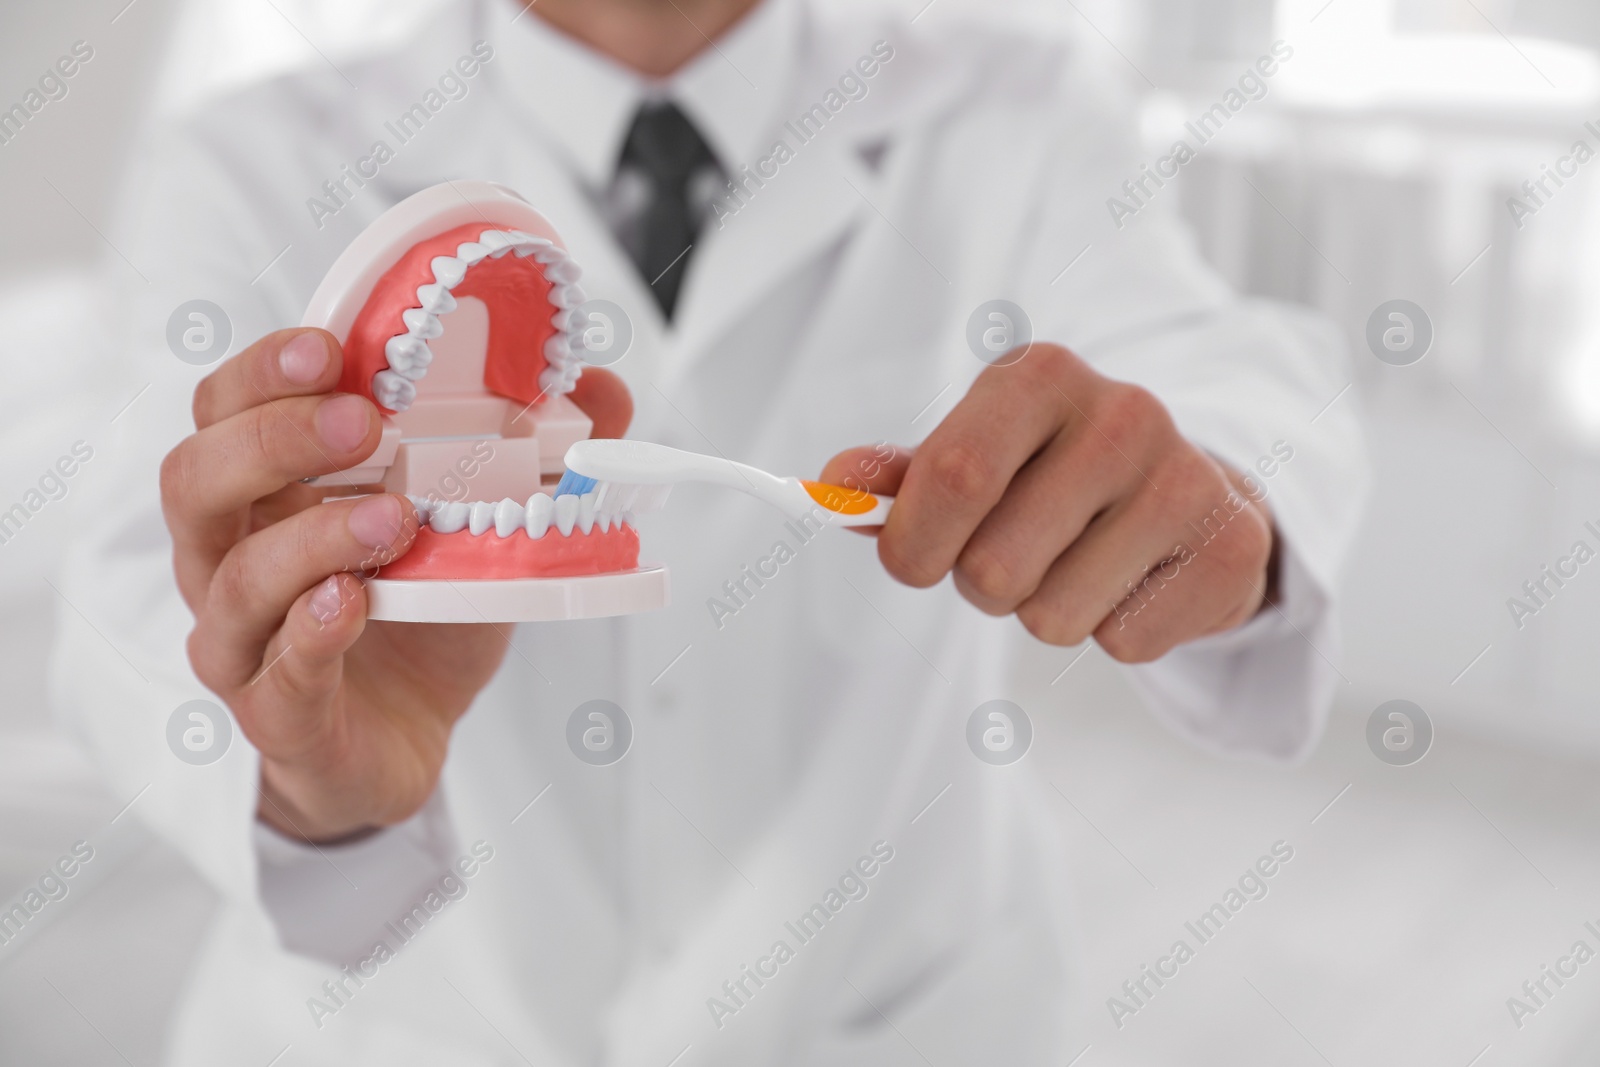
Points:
393	391
408	356
552	380
586	512
567	296
570	320
537	514
527	244
435	299
558	351
480	516
565	272
566	513
421	324
448	270
450	517
548	254
424	507
496	242
507	517
472	253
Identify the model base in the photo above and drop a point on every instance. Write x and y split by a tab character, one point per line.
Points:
590	596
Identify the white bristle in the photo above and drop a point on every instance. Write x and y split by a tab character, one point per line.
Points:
613	500
651	498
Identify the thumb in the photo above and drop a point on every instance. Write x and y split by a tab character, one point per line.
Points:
876	468
605	399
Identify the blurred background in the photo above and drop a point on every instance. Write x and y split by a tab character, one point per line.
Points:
1378	167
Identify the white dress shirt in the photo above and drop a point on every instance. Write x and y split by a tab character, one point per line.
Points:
774	752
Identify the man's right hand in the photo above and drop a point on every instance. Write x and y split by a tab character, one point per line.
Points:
352	720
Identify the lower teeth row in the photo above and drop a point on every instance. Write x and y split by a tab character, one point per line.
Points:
534	518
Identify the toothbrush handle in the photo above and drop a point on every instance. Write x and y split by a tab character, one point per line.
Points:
843	505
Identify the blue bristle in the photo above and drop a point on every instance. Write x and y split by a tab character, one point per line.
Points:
576	484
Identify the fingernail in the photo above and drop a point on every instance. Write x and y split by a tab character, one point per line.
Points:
342	422
327	601
304	359
375	522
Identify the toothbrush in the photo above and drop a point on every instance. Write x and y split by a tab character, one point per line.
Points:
635	476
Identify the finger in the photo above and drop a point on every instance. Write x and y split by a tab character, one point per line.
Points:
878	468
265	573
1118	550
604	397
215	473
287	707
298	362
295	498
1215	587
1097	572
1048	505
964	466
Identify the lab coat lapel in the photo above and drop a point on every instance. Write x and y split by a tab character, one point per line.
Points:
796	215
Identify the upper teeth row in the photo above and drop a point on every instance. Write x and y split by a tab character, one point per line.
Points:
505	518
408	353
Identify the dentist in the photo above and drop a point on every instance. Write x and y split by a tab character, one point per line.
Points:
802	212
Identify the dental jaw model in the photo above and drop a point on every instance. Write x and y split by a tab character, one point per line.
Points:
458	313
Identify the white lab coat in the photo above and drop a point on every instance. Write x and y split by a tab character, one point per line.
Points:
772	752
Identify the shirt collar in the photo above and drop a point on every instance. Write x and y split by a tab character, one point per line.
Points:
584	102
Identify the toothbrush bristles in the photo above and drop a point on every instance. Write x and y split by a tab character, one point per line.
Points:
614	501
617	499
576	484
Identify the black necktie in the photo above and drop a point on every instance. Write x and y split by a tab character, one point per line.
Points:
668	152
